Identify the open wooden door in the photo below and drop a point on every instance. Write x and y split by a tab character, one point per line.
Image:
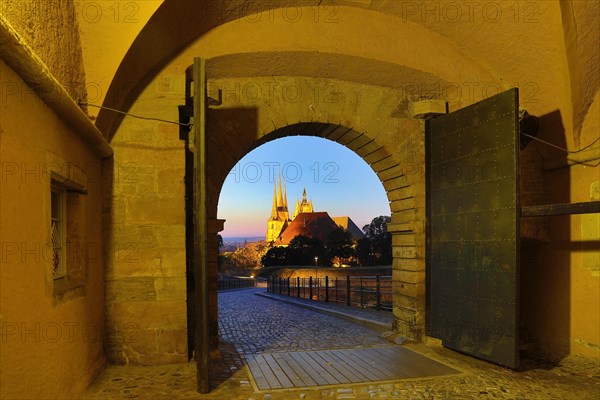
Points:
200	225
473	229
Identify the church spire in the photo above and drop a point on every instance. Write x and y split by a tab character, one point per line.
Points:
297	209
285	204
279	216
279	195
274	209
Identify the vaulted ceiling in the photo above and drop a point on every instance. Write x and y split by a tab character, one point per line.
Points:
460	51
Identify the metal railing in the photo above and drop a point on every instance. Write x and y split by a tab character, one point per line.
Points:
227	282
355	291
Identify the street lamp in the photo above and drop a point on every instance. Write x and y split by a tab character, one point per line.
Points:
316	260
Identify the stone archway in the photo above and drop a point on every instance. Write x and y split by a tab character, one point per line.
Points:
360	120
275	85
146	275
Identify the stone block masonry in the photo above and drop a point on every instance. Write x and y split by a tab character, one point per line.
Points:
145	281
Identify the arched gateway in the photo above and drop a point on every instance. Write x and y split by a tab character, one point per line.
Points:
355	118
350	71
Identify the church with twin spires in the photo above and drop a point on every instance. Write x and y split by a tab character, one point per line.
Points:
281	229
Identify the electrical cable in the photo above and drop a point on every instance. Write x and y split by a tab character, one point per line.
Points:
180	124
560	148
135	116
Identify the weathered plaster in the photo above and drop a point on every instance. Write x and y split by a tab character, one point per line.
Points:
52	346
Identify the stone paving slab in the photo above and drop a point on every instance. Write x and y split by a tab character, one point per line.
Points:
377	320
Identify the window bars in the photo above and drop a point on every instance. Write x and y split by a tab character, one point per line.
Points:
57	232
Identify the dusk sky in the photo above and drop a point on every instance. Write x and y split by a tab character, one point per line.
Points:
336	179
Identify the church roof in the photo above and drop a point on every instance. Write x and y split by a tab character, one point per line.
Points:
315	225
350	226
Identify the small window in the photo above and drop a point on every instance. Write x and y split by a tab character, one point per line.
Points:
58	232
66	262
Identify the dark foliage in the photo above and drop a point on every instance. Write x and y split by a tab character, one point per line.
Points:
379	242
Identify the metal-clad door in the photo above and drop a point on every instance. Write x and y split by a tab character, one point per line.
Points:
200	222
473	229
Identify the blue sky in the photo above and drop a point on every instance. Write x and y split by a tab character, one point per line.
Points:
337	180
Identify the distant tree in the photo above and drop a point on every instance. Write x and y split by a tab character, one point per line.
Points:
380	240
226	263
260	249
339	246
244	258
377	227
277	256
363	251
304	249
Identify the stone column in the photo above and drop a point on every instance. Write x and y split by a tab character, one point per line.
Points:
408	274
408	235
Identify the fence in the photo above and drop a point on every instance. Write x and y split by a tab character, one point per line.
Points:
226	282
355	291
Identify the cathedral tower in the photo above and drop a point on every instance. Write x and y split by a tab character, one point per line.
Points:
280	216
304	207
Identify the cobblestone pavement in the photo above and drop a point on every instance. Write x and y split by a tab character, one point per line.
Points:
259	325
574	377
378	320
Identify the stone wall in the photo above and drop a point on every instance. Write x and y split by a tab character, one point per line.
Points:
51	29
408	239
560	280
145	223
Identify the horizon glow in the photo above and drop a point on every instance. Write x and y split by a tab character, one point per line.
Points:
338	181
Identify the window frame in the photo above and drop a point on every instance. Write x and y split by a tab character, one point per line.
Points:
61	193
69	183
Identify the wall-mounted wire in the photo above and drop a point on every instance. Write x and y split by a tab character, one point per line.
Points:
135	116
189	125
560	148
